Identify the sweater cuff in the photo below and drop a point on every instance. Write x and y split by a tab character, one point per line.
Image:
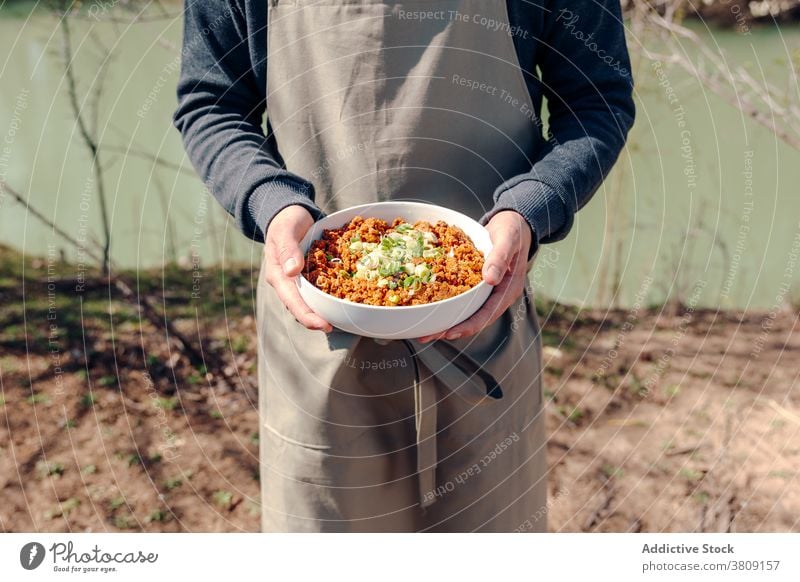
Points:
540	205
270	198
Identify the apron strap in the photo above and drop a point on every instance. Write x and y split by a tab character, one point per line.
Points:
427	457
463	376
458	370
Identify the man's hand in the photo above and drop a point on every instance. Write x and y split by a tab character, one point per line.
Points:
504	268
284	262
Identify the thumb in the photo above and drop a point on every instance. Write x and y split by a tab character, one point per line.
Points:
289	255
284	233
498	261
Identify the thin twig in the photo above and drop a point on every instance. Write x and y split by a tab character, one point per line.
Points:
758	99
37	214
87	136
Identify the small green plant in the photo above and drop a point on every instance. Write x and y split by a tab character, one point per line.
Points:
240	344
63	509
691	474
116	503
133	459
107	380
155	457
166	403
158	515
173	483
49	468
702	497
572	414
612	472
254	438
124	521
2	400
152	360
551	338
88	400
89	470
10	364
635	386
223	499
70	423
38	398
215	414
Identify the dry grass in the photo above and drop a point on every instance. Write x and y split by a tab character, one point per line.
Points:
676	424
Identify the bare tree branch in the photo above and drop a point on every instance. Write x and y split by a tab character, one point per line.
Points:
759	99
86	134
4	187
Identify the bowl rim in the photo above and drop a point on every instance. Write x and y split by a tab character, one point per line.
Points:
300	279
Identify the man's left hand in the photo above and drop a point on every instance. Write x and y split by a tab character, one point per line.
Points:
505	269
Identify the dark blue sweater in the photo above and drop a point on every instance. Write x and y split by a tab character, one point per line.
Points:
578	47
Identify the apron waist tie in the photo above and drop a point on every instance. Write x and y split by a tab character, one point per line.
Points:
460	374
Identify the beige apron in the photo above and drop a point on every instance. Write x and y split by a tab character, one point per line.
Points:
373	100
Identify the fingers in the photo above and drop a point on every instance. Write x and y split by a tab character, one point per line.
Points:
289	256
503	296
287	292
501	299
290	297
285	233
499	260
504	269
506	244
511	240
284	262
485	316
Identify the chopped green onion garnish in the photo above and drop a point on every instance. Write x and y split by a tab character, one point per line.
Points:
394	256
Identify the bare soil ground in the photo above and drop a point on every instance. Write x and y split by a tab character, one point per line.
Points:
659	421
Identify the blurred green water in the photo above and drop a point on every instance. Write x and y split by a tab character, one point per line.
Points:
736	193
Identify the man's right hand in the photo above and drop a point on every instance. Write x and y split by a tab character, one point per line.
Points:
284	262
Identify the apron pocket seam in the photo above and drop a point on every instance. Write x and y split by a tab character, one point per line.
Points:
283	437
338	449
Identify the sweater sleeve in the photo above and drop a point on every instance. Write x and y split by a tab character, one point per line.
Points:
586	78
221	106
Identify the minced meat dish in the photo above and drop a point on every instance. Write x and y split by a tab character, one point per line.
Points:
368	261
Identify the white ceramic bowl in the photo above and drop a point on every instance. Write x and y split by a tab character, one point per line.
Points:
401	322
